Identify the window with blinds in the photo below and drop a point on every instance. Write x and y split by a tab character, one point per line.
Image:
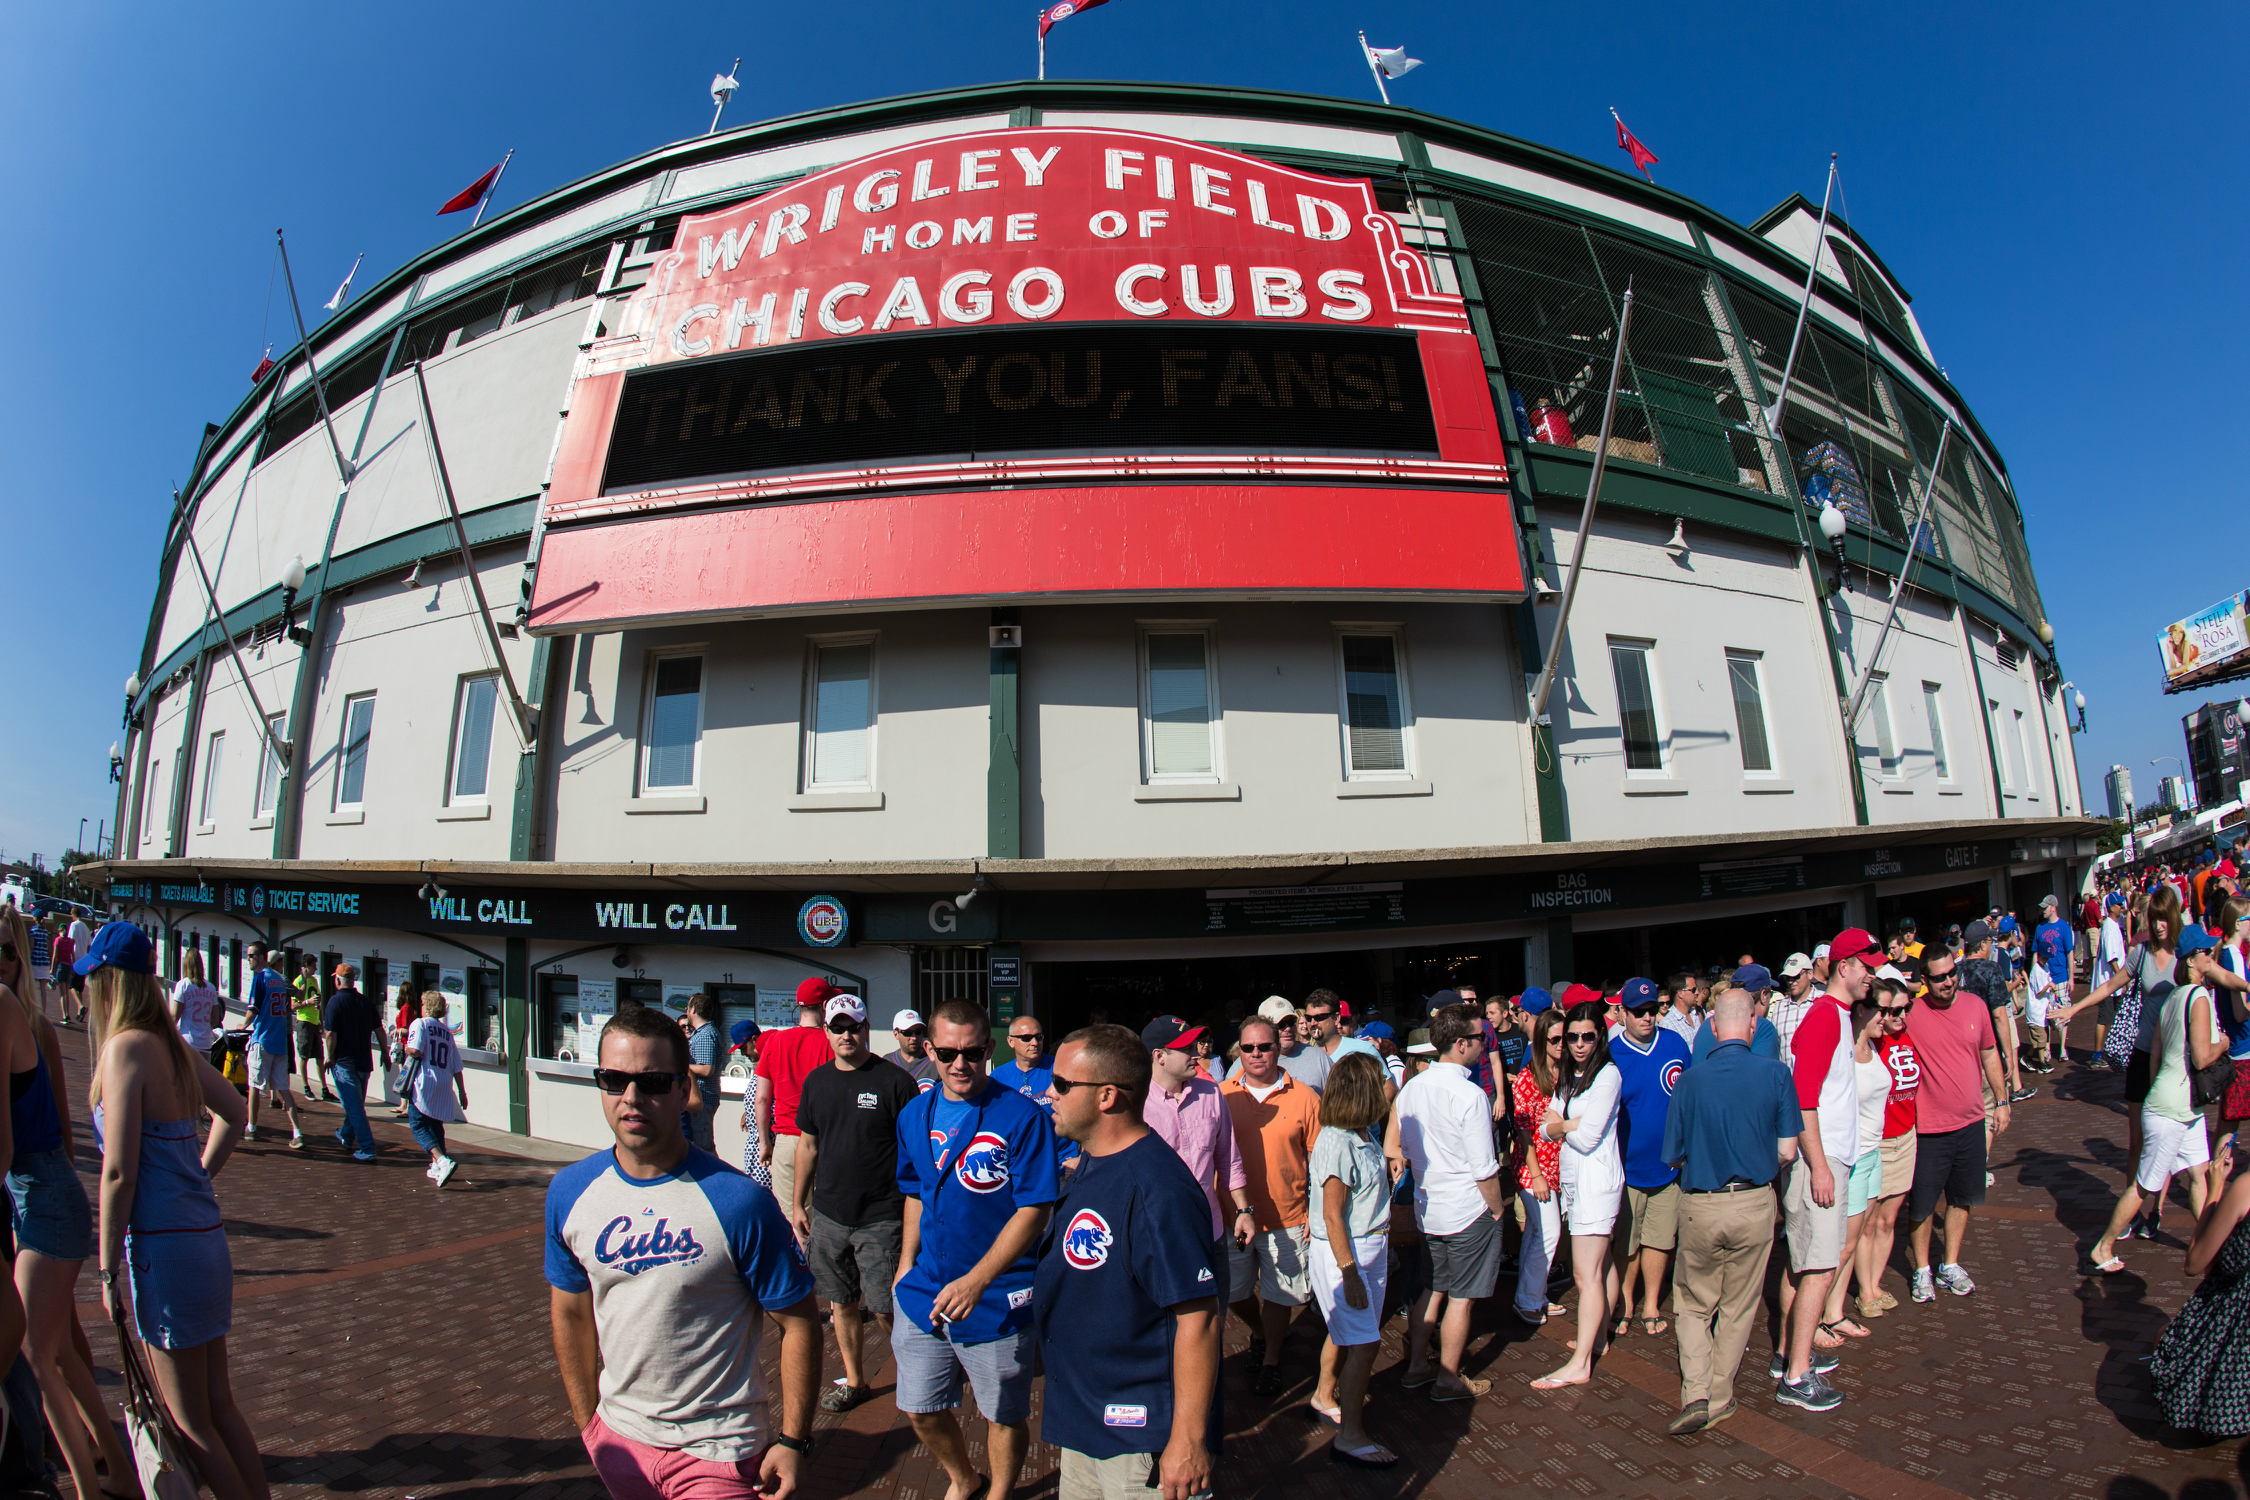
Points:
840	717
1375	711
1178	711
1886	728
675	724
1746	675
1637	720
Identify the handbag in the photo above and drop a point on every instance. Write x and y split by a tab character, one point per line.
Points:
160	1451
2208	1086
2125	1026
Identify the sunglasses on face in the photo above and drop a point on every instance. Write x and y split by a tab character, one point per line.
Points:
617	1081
1946	978
1582	1036
917	1032
1036	1038
843	1024
965	1054
1556	1040
1260	1046
1893	1010
1320	1015
1065	1085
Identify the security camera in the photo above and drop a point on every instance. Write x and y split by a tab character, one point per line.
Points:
622	958
961	902
431	890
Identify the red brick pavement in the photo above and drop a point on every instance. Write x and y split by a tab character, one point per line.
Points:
391	1341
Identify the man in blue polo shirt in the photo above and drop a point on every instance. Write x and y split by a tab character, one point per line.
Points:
1734	1120
271	1006
976	1163
1127	1297
1649	1060
1755	980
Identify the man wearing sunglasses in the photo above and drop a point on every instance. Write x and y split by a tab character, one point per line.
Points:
1127	1293
1960	1060
661	1259
976	1165
1028	1073
1276	1118
847	1210
1308	1065
913	1054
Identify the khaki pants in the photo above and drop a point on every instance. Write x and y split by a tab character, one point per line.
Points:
1725	1239
784	1171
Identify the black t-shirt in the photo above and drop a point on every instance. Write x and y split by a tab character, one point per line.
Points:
854	1114
351	1017
1985	979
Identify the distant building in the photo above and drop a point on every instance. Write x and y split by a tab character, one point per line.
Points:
2119	785
2175	792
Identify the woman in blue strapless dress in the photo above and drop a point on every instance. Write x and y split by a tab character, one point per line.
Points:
163	1248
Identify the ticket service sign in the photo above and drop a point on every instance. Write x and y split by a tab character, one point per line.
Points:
1024	363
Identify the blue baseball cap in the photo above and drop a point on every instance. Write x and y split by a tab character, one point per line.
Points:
1377	1029
1442	999
742	1031
119	945
2008	927
2194	938
1756	978
1535	1000
1639	994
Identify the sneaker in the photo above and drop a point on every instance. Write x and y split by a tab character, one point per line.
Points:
430	1171
1812	1393
447	1166
1955	1280
1693	1417
250	1134
1823	1363
1989	1179
364	1156
343	1140
1924	1289
2021	1094
296	1140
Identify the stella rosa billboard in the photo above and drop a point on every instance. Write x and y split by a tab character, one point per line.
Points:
1028	363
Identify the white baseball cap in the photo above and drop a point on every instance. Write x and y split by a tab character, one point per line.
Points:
1422	1049
1796	964
845	1005
905	1020
1820	953
1276	1009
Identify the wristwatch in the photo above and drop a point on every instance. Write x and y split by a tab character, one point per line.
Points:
109	1277
794	1445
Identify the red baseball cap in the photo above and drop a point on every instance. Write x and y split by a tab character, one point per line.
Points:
1578	994
814	992
1852	942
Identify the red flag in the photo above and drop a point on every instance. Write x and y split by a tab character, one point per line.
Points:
265	366
469	196
1643	158
1063	11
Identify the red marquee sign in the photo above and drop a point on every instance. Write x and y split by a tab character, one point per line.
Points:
1043	325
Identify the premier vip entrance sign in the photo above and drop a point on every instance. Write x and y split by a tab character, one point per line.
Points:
1029	362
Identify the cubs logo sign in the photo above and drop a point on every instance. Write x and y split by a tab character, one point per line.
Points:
983	1167
1670	1075
823	922
1086	1241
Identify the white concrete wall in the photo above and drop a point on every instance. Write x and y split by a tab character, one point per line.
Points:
1924	646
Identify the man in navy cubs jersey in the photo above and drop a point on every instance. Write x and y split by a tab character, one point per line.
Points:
976	1165
1127	1296
662	1259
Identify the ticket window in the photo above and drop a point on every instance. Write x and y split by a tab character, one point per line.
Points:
484	1009
733	1003
375	980
329	962
555	1026
635	993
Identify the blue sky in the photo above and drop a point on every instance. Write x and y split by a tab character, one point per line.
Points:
2056	185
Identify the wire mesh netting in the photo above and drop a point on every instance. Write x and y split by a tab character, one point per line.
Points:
1553	291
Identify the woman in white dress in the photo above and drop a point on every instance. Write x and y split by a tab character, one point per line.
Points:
1584	1119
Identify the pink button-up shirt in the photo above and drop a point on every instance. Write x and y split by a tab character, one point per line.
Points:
1195	1123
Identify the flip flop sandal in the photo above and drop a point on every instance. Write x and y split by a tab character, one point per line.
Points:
1621	1328
1332	1415
1549	1383
1855	1331
2108	1267
1652	1326
1828	1331
1373	1456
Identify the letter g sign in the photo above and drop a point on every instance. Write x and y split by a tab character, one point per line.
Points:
942	916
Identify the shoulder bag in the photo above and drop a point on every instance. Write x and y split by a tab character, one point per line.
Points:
160	1451
2125	1026
2206	1086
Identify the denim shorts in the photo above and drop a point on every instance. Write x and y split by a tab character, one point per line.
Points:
48	1206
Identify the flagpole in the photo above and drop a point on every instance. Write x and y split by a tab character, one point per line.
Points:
486	201
1042	49
320	396
1546	682
1368	53
1898	585
1804	306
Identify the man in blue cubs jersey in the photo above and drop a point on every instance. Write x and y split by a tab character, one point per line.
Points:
271	1003
662	1258
976	1165
1127	1295
1649	1057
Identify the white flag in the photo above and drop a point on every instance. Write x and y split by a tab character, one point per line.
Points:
1393	61
723	86
345	290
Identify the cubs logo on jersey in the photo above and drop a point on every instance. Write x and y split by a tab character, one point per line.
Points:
1669	1075
1086	1241
983	1167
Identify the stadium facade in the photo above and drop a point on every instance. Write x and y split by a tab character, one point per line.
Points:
1085	547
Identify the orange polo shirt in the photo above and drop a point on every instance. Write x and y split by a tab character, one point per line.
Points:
1275	1137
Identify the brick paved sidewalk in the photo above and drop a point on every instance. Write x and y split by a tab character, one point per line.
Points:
391	1341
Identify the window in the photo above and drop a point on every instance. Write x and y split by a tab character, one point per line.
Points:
1936	711
1999	746
675	724
2023	749
1746	673
472	738
214	752
1886	732
1374	708
270	769
153	780
840	717
1176	710
351	775
1636	706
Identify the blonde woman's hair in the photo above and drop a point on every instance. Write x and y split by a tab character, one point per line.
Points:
433	1003
119	1002
20	935
191	966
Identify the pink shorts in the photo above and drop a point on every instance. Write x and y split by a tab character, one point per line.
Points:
635	1471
